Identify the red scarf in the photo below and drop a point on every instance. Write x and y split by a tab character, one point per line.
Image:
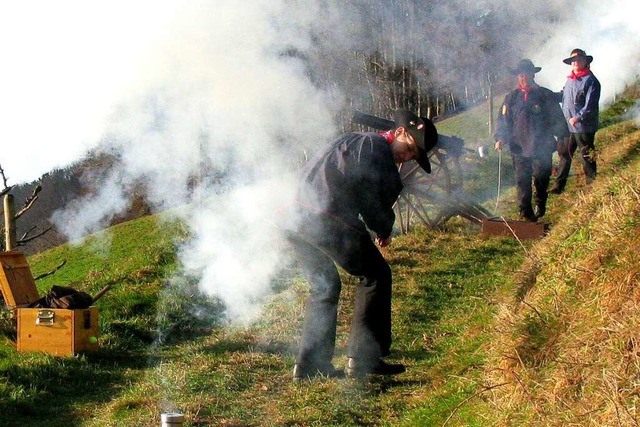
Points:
526	90
581	73
388	135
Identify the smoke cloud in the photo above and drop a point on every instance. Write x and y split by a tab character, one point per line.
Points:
605	30
219	124
212	105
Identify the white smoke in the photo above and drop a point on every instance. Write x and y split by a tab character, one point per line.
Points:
608	31
209	87
238	246
217	98
93	213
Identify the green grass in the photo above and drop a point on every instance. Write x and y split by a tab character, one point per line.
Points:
157	355
243	376
473	125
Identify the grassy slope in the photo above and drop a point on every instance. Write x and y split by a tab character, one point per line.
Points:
476	355
572	325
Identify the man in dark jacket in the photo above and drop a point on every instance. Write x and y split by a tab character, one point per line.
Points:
348	190
580	99
530	121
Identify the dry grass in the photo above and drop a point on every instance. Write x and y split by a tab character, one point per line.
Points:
572	353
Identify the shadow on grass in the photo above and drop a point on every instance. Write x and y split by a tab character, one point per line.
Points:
44	390
37	389
456	283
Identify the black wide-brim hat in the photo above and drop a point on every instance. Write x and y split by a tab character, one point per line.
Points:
525	66
577	54
423	132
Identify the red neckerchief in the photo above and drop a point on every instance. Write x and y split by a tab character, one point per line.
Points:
388	135
526	90
581	73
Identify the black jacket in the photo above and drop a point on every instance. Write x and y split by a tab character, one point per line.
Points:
356	177
529	127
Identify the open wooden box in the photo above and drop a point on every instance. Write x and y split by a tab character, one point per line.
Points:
55	331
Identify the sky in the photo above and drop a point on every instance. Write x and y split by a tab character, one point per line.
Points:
66	64
173	85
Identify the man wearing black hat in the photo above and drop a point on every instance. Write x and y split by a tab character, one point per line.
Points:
347	190
580	99
530	121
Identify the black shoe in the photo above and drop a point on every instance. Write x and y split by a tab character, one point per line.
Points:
357	368
301	372
539	211
556	190
528	216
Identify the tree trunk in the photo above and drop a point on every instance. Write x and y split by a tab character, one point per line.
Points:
9	223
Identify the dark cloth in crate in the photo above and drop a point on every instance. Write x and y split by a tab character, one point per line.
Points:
63	297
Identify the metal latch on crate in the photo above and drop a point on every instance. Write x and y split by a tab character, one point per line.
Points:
45	317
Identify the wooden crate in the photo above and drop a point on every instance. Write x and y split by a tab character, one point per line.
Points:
523	230
59	332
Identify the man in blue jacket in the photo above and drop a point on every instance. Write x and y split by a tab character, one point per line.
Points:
348	190
529	125
580	99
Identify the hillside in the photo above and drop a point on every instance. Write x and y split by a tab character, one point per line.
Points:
59	188
566	344
494	331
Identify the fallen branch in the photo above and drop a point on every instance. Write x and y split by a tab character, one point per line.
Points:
459	405
49	273
101	292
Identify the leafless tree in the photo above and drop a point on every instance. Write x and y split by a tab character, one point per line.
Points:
10	216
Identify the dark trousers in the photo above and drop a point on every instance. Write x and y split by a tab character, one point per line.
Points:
586	143
538	170
370	335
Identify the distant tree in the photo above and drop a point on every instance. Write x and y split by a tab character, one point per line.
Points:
434	57
11	241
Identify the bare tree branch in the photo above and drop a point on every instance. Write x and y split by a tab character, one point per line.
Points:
30	201
6	188
4	178
24	239
24	236
11	217
49	273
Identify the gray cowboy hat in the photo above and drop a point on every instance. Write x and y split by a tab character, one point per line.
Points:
525	66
